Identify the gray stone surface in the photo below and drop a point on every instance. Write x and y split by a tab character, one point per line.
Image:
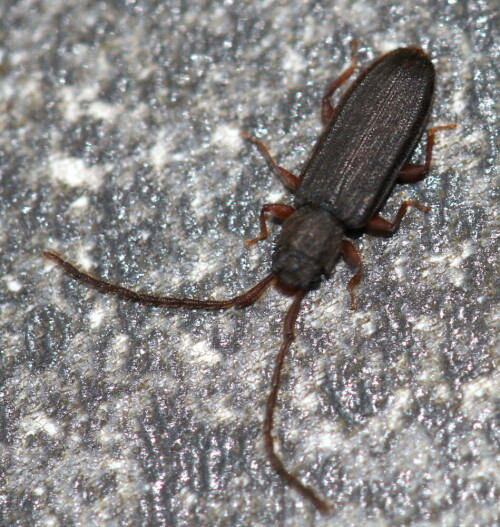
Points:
119	147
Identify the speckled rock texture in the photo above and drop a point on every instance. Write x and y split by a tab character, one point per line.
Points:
120	148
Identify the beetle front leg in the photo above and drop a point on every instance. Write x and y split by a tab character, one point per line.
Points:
289	180
413	172
352	258
277	210
327	108
379	226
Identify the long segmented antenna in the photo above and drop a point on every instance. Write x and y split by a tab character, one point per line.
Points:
245	299
272	399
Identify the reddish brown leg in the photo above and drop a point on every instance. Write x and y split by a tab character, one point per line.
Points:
352	258
269	440
289	180
326	104
277	210
412	172
379	226
245	299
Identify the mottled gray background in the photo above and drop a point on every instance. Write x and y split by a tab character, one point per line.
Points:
119	147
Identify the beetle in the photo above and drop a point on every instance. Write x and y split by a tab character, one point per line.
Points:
361	153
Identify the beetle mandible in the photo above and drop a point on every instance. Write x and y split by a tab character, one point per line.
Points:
362	152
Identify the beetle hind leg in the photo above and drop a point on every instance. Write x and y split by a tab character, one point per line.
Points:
379	226
413	172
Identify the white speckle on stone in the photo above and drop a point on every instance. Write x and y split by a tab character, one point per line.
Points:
102	110
329	437
309	31
96	317
276	196
39	491
321	311
83	258
400	403
88	93
450	264
456	261
399	268
159	153
438	258
74	172
459	103
308	400
201	352
202	267
458	278
75	102
479	388
366	322
189	498
50	427
228	137
468	249
385	46
13	284
179	156
80	203
104	436
473	140
442	392
423	324
147	71
293	61
116	464
159	483
144	235
225	414
69	104
39	422
121	343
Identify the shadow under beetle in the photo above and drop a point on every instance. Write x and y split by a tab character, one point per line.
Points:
362	152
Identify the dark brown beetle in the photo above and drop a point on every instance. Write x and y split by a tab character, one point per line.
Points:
362	152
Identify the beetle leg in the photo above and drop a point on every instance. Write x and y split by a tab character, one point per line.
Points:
352	258
412	172
277	210
379	226
289	180
326	104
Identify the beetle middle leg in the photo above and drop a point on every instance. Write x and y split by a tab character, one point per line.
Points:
289	179
376	226
379	226
413	172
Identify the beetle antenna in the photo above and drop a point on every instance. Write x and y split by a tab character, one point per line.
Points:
269	440
245	299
